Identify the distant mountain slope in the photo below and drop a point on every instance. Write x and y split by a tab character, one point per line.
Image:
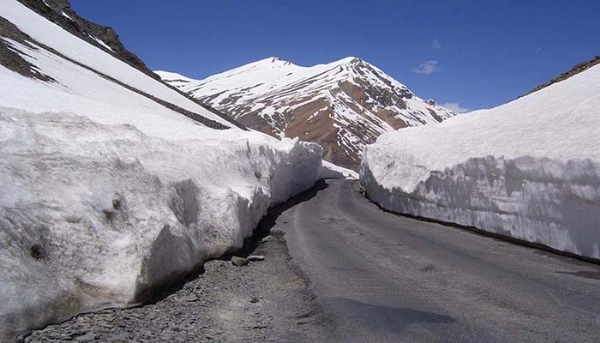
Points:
578	68
343	105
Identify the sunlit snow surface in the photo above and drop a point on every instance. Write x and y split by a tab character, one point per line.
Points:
105	193
529	169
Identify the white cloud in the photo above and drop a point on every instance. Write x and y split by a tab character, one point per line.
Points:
436	45
456	107
427	67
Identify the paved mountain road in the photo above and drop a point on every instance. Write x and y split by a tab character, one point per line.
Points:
387	278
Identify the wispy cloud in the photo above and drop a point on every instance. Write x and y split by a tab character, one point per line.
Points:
436	45
456	107
427	67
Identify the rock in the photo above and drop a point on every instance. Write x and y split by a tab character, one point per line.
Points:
268	239
239	261
187	298
86	338
75	334
254	258
254	300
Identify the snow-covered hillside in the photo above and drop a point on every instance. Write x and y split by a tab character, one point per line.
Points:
84	76
103	177
529	169
342	105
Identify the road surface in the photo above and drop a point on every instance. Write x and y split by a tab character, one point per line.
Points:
386	278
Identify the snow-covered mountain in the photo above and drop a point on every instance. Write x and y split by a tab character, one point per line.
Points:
342	105
105	171
529	169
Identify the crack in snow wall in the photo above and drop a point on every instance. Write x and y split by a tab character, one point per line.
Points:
537	200
95	215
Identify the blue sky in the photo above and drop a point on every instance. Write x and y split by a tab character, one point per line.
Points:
477	54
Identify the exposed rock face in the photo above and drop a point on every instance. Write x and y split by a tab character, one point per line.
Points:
10	58
343	105
61	13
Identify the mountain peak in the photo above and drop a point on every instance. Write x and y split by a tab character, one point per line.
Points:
342	105
275	60
350	60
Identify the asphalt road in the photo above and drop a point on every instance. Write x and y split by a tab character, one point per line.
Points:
386	278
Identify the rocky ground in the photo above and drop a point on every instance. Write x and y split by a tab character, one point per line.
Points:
264	301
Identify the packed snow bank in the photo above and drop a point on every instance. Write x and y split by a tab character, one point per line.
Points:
529	169
93	215
331	171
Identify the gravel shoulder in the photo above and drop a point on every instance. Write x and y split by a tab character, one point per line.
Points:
264	301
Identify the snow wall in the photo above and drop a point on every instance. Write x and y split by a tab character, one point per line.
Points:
528	170
538	201
94	215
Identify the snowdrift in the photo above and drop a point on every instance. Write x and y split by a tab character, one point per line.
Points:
331	171
94	215
529	169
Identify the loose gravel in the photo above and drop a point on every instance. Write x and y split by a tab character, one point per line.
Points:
264	301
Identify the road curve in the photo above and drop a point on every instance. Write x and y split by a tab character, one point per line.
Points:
387	278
